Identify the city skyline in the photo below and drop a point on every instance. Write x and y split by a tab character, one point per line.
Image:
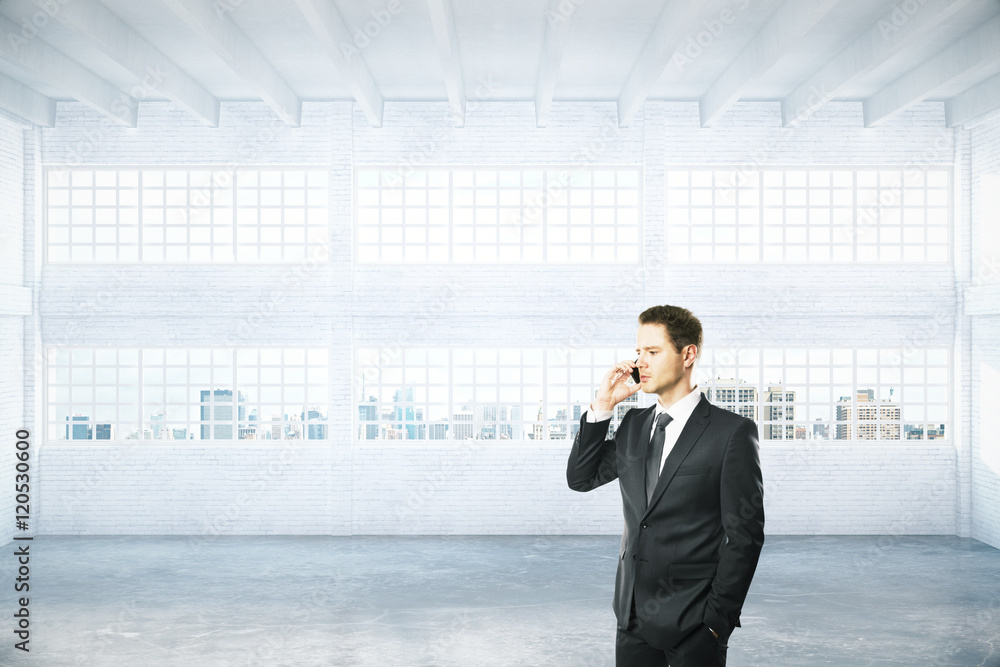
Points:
880	421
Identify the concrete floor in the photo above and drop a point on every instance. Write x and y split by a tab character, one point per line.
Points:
472	601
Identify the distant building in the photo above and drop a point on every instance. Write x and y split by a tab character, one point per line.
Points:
875	419
368	419
218	408
557	429
295	431
779	407
574	424
156	424
405	415
538	428
462	421
316	428
78	431
515	428
735	396
916	432
491	417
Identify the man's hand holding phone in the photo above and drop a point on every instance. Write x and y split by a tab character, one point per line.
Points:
613	388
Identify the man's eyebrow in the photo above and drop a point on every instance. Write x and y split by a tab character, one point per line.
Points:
650	347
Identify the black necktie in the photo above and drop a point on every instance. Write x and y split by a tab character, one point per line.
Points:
655	453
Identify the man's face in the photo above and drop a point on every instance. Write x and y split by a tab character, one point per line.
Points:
660	365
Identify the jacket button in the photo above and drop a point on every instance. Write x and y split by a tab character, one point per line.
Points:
643	525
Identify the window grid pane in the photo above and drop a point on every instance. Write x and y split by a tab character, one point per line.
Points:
539	394
188	394
808	214
497	215
279	214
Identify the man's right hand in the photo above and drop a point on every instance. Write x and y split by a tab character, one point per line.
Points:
613	388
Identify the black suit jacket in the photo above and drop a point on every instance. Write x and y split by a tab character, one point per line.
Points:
690	555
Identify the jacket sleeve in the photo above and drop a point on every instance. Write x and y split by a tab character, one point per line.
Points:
742	504
593	461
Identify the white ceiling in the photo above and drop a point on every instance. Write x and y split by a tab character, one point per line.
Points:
604	50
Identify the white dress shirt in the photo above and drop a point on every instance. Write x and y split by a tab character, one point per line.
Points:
679	413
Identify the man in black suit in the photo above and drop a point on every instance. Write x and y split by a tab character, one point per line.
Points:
692	496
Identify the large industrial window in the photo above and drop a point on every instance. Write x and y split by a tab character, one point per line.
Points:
819	214
478	393
187	394
501	214
833	393
163	214
540	394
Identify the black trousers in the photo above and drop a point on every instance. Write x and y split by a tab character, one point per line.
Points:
700	648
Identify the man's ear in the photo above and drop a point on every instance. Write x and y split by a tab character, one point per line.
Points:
693	357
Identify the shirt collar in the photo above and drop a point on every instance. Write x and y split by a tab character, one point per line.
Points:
682	409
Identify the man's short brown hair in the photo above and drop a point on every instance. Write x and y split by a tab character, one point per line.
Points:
683	328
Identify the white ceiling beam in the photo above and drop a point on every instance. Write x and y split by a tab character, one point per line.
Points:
556	25
973	103
783	31
671	29
26	102
893	32
971	54
443	21
225	38
138	57
36	57
329	26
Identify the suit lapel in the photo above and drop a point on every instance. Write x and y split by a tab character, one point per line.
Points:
639	445
690	434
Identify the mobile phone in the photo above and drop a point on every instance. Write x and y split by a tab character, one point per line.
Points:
635	373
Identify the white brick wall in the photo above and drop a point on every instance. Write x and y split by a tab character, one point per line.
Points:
985	473
13	305
962	379
389	488
149	489
985	349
